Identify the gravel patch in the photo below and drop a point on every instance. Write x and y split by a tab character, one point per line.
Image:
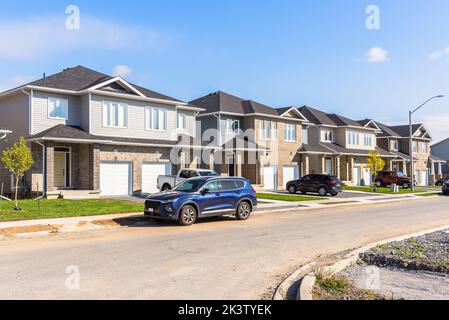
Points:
425	253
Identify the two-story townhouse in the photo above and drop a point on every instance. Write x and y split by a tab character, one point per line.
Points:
257	142
96	133
396	139
439	153
339	146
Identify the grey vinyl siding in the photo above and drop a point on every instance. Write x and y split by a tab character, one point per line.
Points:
40	119
84	112
441	150
136	122
14	116
208	127
224	134
190	123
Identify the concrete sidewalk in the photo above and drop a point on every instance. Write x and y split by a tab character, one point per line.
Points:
45	227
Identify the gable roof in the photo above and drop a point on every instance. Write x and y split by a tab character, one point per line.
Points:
80	78
222	102
402	131
319	117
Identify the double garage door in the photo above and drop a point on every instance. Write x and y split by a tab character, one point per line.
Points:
116	177
289	173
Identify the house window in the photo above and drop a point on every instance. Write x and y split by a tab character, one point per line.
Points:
290	132
328	136
181	121
395	146
305	135
274	129
267	130
415	147
261	131
368	140
58	108
156	119
424	147
115	114
232	126
353	138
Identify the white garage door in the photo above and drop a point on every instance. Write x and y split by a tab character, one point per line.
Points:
150	172
367	176
269	178
290	173
424	179
115	178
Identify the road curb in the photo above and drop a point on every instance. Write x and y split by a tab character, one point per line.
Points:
308	281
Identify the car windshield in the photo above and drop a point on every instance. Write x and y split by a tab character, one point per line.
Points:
208	173
400	175
189	186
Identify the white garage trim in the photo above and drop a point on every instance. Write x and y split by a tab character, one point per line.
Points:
269	178
289	173
116	178
150	172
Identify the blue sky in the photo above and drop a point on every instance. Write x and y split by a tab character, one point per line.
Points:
276	52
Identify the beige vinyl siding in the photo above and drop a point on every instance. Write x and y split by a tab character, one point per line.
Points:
40	118
190	123
136	122
14	116
84	112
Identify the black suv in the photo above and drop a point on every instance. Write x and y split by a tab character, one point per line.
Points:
316	183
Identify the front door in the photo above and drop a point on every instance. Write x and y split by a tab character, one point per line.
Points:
357	175
60	169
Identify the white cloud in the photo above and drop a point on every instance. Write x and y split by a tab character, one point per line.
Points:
377	54
36	38
437	126
122	71
439	54
16	81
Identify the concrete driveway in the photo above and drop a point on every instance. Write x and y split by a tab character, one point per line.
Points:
215	259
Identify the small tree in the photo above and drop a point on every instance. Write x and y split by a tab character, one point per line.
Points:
18	160
375	163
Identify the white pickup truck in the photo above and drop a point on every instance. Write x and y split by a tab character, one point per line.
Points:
166	183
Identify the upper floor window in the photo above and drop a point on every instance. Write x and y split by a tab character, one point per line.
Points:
181	121
368	140
267	130
290	132
424	147
115	114
274	130
58	108
395	145
156	119
415	147
232	126
353	138
328	136
305	135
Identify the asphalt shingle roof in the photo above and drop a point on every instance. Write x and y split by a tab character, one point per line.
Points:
224	102
319	117
81	78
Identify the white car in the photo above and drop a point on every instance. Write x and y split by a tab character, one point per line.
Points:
166	183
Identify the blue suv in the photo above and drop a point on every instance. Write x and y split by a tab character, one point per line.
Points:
203	197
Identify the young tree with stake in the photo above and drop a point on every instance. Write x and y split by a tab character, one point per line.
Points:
375	163
18	160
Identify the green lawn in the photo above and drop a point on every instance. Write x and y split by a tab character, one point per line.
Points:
65	208
380	190
286	197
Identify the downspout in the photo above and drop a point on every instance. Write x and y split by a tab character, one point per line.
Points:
44	176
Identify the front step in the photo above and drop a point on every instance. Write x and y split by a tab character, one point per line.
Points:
74	194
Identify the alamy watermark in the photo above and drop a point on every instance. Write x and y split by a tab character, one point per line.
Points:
73	19
372	22
72	282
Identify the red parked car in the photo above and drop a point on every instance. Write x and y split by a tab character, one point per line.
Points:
387	178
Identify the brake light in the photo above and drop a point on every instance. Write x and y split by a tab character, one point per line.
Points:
253	190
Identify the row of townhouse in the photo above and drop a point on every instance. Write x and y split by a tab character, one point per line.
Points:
96	134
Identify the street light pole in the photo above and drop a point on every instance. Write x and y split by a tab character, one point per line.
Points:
410	113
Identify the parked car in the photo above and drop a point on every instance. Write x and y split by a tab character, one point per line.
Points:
201	197
316	183
387	178
441	182
446	188
166	183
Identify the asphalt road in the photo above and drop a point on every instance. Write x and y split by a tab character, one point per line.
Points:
217	259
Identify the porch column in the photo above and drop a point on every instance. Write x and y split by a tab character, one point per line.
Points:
306	165
211	161
432	167
50	166
238	164
404	167
351	169
94	166
391	165
337	165
440	169
323	165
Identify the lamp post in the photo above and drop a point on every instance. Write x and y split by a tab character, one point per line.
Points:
410	113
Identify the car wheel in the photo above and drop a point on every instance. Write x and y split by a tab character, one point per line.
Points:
322	191
303	192
438	184
406	185
187	216
292	189
166	187
243	211
334	194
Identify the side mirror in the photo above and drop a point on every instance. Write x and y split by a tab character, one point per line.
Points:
205	191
